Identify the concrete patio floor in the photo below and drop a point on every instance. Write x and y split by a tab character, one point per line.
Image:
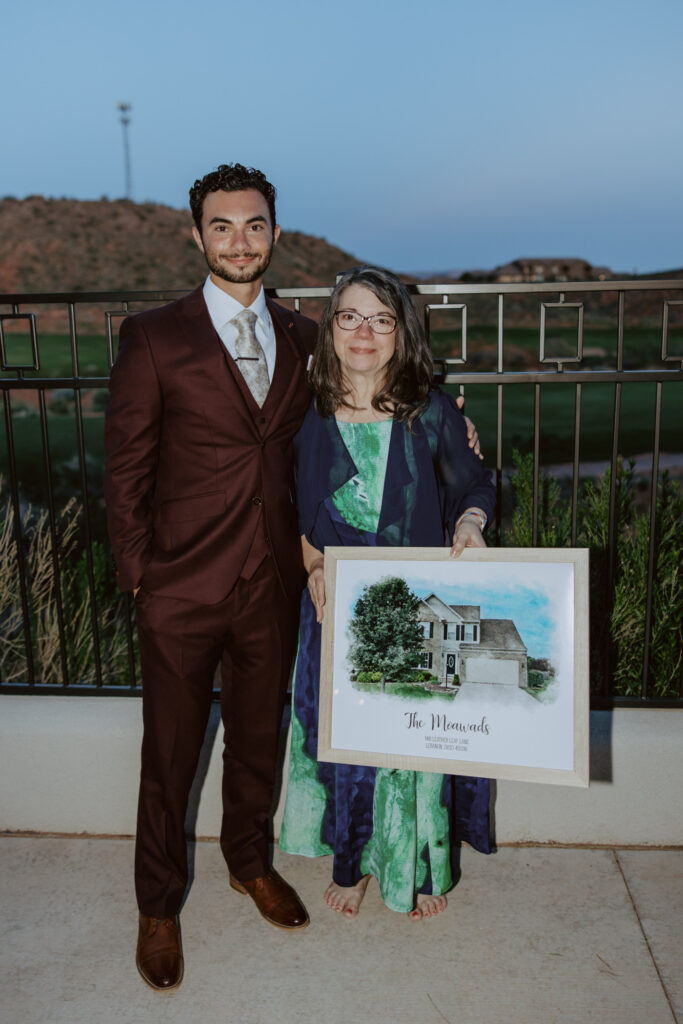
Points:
538	935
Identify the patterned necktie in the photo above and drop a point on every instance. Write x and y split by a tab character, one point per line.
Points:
249	355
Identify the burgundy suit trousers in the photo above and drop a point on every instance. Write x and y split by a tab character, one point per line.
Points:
252	635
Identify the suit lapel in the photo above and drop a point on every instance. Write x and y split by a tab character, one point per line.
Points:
290	365
210	354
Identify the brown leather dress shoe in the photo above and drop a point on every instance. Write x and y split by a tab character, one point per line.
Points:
159	957
275	899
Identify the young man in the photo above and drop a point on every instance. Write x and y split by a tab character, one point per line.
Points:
198	486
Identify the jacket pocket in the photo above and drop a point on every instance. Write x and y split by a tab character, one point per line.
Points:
200	506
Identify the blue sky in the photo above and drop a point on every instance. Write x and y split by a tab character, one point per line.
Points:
427	136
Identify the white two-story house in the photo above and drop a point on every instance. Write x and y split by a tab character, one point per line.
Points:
461	647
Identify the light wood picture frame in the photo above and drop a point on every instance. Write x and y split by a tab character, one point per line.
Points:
501	689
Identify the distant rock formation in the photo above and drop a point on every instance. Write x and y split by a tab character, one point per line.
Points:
58	245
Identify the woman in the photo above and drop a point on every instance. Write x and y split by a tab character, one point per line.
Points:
382	459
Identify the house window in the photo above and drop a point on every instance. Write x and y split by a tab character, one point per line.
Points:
426	661
427	630
455	632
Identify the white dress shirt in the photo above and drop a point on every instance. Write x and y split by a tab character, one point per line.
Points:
222	308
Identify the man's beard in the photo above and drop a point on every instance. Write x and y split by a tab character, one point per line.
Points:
240	275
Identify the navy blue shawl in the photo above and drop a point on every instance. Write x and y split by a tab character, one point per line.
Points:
432	477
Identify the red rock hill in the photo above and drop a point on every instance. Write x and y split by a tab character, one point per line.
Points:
61	245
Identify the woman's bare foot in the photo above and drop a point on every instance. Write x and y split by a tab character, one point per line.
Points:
428	906
346	900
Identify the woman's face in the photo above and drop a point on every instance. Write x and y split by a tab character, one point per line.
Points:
362	351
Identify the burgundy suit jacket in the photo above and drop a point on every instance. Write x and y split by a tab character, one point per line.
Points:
195	472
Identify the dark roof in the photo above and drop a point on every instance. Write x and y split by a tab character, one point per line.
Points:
469	612
500	634
551	261
508	268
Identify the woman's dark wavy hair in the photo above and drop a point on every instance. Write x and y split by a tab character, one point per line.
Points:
231	178
409	373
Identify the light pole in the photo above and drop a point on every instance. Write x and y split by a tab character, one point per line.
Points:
125	109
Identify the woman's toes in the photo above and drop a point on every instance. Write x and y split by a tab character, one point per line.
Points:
429	906
346	900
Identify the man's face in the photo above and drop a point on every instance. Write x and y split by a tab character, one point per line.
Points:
237	238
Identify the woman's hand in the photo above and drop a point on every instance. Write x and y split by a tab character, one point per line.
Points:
467	535
314	564
472	435
316	588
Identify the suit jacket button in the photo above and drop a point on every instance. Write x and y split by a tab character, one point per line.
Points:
256	500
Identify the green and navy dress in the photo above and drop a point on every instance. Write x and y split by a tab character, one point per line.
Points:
379	483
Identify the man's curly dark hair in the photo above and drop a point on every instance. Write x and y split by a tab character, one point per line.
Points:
231	178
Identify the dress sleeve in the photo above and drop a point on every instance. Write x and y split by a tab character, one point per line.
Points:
305	475
464	481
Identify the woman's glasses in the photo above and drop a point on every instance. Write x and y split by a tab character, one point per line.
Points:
381	323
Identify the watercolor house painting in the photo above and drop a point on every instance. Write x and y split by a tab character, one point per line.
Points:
461	647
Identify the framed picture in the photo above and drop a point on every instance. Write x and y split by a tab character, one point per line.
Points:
469	666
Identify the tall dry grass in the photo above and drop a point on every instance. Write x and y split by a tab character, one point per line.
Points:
56	573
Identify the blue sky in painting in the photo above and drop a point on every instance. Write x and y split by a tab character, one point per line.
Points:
529	608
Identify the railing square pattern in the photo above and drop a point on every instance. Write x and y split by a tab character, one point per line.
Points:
438	308
560	359
666	324
4	362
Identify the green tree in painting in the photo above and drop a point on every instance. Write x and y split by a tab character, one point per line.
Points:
386	635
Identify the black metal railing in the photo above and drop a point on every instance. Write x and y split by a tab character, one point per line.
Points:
565	381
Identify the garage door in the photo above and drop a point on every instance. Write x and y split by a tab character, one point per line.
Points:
491	670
